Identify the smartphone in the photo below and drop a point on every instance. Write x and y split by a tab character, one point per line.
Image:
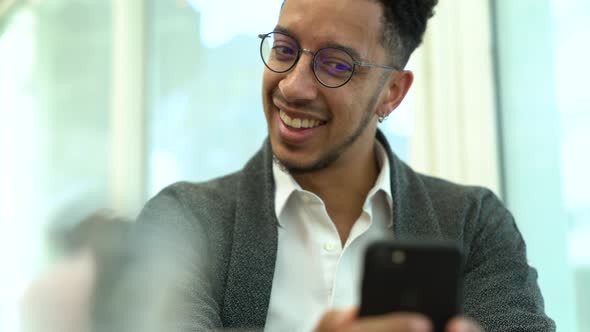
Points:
423	277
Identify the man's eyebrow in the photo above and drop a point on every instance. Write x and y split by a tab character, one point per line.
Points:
354	53
279	28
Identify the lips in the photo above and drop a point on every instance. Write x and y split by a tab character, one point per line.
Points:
296	126
297	130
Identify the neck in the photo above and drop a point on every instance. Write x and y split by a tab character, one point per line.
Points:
344	186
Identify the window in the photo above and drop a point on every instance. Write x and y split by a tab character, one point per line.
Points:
54	129
543	68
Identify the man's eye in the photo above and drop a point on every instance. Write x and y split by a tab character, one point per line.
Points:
335	67
339	66
284	50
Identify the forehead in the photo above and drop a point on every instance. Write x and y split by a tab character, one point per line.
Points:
355	23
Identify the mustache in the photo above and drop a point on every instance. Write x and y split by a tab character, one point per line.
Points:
300	105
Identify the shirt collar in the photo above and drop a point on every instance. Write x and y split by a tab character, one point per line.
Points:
383	182
285	184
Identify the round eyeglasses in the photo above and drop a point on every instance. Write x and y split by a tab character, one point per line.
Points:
333	67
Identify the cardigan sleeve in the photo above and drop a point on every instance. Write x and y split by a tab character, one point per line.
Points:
500	288
167	283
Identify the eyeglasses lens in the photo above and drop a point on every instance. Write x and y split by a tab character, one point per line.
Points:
333	67
279	52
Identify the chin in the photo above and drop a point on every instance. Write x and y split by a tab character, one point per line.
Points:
295	165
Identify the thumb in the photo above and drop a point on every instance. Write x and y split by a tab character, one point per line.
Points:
336	320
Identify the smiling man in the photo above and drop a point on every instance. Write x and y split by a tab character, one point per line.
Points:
322	101
278	245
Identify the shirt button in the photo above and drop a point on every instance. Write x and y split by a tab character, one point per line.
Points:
329	247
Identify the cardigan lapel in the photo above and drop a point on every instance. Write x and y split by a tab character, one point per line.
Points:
254	247
413	212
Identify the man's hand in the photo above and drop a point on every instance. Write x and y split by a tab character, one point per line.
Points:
347	321
461	324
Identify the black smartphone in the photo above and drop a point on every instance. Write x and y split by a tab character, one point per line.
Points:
423	277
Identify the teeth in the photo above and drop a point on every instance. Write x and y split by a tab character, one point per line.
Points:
298	123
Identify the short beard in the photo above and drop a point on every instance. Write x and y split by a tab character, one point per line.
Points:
335	154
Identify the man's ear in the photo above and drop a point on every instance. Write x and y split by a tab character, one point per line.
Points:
397	88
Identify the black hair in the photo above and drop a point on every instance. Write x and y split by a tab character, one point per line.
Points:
404	24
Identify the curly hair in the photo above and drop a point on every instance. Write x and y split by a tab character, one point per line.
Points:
404	24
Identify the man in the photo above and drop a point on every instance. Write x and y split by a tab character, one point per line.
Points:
279	244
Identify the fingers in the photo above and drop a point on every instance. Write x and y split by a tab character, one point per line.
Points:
462	324
403	322
336	320
339	321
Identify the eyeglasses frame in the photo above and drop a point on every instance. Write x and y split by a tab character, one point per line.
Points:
301	50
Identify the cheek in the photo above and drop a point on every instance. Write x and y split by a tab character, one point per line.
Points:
268	85
346	107
364	100
270	82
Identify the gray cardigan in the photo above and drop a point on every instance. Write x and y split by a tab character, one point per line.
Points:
210	249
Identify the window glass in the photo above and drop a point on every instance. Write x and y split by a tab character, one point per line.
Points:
543	68
54	130
573	106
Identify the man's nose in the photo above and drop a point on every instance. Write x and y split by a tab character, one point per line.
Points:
300	84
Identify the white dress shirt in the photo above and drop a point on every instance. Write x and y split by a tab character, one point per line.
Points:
314	272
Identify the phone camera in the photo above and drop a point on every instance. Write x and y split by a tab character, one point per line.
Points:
398	257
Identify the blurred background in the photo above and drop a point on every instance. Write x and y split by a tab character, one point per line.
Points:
103	103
